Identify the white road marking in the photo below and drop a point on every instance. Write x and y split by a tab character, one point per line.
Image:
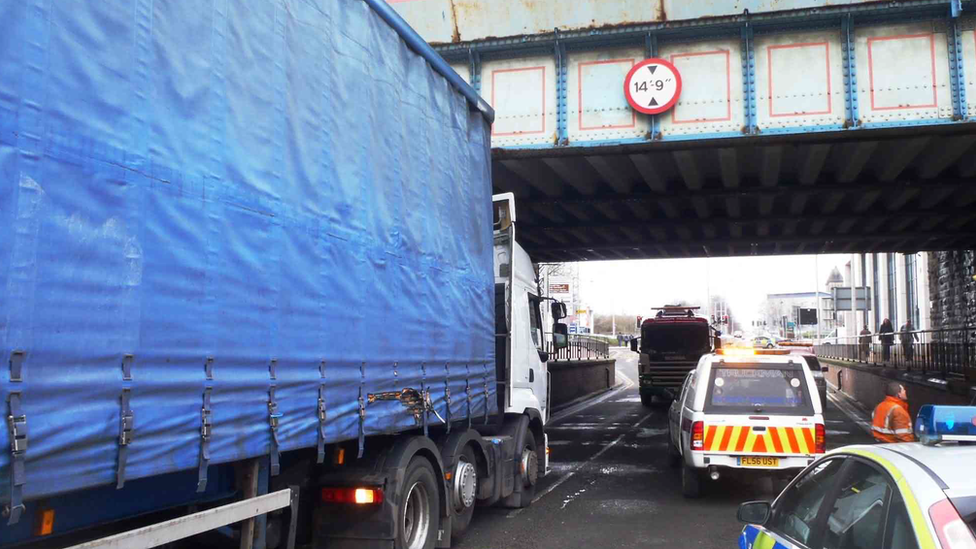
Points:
570	474
851	413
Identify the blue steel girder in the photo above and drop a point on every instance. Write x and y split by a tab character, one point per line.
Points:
750	124
562	106
956	68
850	71
651	51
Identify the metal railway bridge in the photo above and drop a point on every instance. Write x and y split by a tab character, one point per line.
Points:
804	126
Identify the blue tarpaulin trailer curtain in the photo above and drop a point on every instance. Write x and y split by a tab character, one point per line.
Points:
263	189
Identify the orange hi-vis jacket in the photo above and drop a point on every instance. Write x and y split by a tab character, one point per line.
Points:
891	421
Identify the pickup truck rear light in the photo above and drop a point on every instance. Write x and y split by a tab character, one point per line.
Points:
821	439
949	526
355	496
698	436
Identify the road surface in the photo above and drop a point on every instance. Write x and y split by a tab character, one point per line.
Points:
610	485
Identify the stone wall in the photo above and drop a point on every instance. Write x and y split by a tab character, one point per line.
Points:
952	288
866	385
573	379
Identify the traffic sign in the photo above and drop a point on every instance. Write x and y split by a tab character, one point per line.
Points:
652	86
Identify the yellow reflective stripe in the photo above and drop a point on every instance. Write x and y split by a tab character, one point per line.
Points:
734	439
784	440
763	541
919	523
801	440
717	441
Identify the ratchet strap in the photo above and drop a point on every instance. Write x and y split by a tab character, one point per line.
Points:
206	423
320	412
126	424
17	428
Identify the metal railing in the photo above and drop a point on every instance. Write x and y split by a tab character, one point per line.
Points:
942	353
581	347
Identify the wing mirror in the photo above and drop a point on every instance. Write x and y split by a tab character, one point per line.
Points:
754	512
633	345
560	335
558	310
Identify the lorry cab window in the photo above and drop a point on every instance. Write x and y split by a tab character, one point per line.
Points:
535	320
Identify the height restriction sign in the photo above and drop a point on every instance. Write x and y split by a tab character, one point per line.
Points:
652	86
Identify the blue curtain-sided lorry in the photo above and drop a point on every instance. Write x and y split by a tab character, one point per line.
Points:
253	283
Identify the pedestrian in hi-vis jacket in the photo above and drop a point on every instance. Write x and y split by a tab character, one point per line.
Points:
892	422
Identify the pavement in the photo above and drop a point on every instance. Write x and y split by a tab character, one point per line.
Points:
610	484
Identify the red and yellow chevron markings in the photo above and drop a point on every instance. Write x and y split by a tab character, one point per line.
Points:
774	440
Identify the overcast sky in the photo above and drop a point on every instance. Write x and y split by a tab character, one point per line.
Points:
633	287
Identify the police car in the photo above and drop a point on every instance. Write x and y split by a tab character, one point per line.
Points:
892	496
745	411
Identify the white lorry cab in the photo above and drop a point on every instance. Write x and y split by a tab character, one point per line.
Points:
745	411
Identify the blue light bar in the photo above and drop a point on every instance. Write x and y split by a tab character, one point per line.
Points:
936	424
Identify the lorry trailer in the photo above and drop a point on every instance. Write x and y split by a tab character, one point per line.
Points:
253	282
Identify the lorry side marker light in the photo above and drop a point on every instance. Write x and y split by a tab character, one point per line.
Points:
356	496
45	522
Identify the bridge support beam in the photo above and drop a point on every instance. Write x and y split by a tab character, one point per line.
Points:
957	77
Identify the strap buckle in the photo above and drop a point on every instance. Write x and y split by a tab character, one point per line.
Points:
125	431
273	414
206	421
17	427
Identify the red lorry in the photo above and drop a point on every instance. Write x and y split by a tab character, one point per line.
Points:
670	344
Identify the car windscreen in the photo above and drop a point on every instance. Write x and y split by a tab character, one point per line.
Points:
682	338
758	388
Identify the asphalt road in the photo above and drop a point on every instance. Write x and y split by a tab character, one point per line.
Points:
610	485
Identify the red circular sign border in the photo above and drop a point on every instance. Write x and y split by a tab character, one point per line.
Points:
657	110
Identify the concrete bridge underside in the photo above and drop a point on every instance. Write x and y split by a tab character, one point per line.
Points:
887	190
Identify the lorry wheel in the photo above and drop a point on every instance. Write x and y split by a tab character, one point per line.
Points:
418	518
690	482
526	470
464	486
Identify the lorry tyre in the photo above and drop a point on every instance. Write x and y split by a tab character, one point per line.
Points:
418	517
464	487
526	470
690	482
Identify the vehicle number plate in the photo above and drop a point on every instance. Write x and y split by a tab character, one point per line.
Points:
757	461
